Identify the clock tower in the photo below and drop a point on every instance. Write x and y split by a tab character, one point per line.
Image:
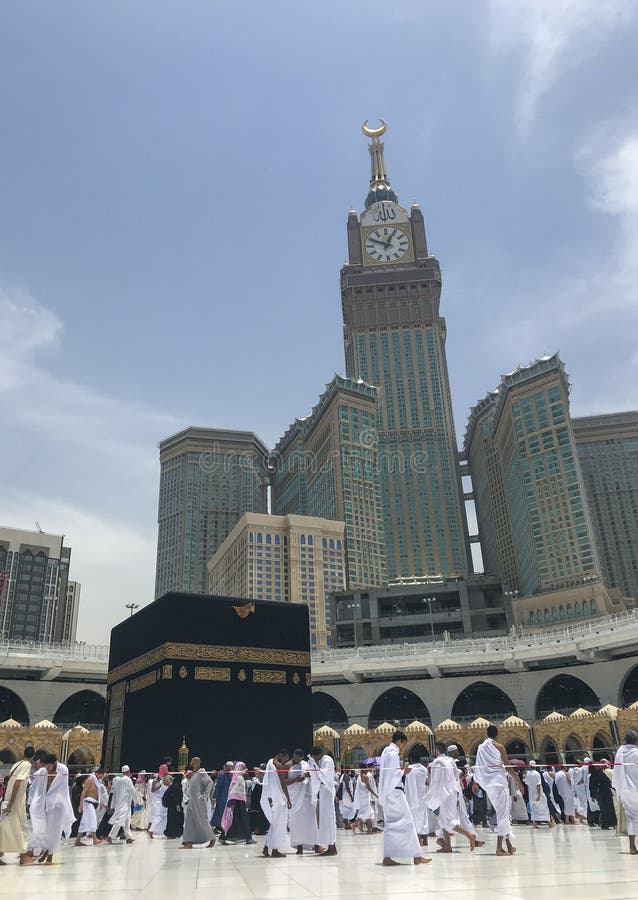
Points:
395	339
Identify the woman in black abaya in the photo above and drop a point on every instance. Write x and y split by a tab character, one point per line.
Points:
173	801
601	790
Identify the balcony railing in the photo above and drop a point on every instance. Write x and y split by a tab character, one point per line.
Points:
516	640
93	652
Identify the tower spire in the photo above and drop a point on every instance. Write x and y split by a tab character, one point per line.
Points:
380	188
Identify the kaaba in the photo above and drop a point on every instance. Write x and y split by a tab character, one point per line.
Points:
230	677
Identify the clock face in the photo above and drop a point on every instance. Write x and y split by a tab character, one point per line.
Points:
387	244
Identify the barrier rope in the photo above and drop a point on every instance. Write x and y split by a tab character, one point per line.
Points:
216	772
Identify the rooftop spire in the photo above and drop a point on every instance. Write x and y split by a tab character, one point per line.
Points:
379	182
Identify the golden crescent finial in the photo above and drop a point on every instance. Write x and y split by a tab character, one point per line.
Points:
374	133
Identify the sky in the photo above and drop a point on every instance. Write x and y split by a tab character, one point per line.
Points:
175	181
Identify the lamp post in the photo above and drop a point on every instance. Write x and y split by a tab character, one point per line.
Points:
132	607
590	579
354	606
512	595
430	601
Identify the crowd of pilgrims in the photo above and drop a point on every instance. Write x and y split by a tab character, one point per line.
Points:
300	801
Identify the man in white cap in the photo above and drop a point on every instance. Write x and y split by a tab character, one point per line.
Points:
443	796
580	793
537	799
464	819
123	796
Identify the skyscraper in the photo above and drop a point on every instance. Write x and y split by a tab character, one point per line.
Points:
492	514
529	491
608	452
208	478
395	339
35	604
291	559
326	465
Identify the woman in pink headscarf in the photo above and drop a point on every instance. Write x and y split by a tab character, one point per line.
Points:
139	819
235	821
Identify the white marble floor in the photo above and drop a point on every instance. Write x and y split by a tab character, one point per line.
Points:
573	862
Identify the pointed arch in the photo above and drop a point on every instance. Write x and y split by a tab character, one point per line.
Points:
326	710
359	755
629	690
549	751
77	760
12	707
417	748
565	693
574	748
603	743
483	699
398	706
517	749
84	707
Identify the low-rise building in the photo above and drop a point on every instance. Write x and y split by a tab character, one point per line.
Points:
34	587
412	610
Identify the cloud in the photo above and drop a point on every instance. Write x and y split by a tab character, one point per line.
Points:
585	305
82	463
39	407
551	37
37	401
25	328
609	161
609	164
112	558
614	176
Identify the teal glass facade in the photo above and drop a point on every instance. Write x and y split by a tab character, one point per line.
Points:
204	491
424	524
529	491
607	447
394	338
327	466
